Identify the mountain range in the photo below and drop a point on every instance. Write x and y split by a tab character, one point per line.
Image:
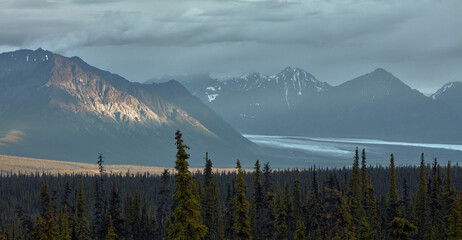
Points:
376	105
62	108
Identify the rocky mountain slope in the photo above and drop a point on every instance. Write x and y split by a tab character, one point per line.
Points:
56	107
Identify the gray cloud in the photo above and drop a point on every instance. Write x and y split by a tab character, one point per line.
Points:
335	40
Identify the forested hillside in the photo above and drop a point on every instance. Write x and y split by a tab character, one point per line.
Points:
362	202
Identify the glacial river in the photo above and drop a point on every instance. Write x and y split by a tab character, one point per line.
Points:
339	152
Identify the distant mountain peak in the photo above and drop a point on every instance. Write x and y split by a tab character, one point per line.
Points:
445	88
251	75
292	69
381	71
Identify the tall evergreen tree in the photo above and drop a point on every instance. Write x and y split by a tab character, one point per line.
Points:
281	231
300	231
270	201
163	209
241	221
258	201
45	229
229	214
312	208
63	225
364	173
421	201
370	229
455	219
67	194
115	209
100	206
356	194
401	229
436	215
98	213
210	201
186	221
393	199
267	184
297	202
45	202
146	227
82	226
111	233
2	235
406	199
271	214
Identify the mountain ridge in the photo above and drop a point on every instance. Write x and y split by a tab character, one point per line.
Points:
63	105
374	105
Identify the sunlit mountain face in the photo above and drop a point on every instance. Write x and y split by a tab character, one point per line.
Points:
62	108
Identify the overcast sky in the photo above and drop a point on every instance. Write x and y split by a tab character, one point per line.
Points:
420	42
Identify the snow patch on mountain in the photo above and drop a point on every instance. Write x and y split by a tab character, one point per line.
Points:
212	97
442	90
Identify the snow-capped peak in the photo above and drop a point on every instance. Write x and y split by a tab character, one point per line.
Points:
297	78
443	89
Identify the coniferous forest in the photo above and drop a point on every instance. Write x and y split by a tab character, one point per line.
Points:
362	202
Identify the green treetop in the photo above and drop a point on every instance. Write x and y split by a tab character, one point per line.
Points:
186	222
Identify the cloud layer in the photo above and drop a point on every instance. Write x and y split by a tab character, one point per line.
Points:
419	41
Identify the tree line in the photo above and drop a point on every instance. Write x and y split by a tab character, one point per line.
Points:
361	202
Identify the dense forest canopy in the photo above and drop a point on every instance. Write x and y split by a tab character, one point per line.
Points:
362	202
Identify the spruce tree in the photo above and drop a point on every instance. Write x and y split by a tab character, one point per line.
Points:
271	215
241	227
163	210
436	215
356	194
368	203
297	202
449	196
455	219
186	222
281	231
229	213
115	209
98	213
67	193
63	225
406	199
111	233
421	201
258	202
210	201
270	201
2	235
146	230
45	229
267	184
82	226
364	173
100	206
401	229
288	207
45	202
393	199
299	231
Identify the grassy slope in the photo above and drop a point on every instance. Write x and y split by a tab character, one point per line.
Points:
33	165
